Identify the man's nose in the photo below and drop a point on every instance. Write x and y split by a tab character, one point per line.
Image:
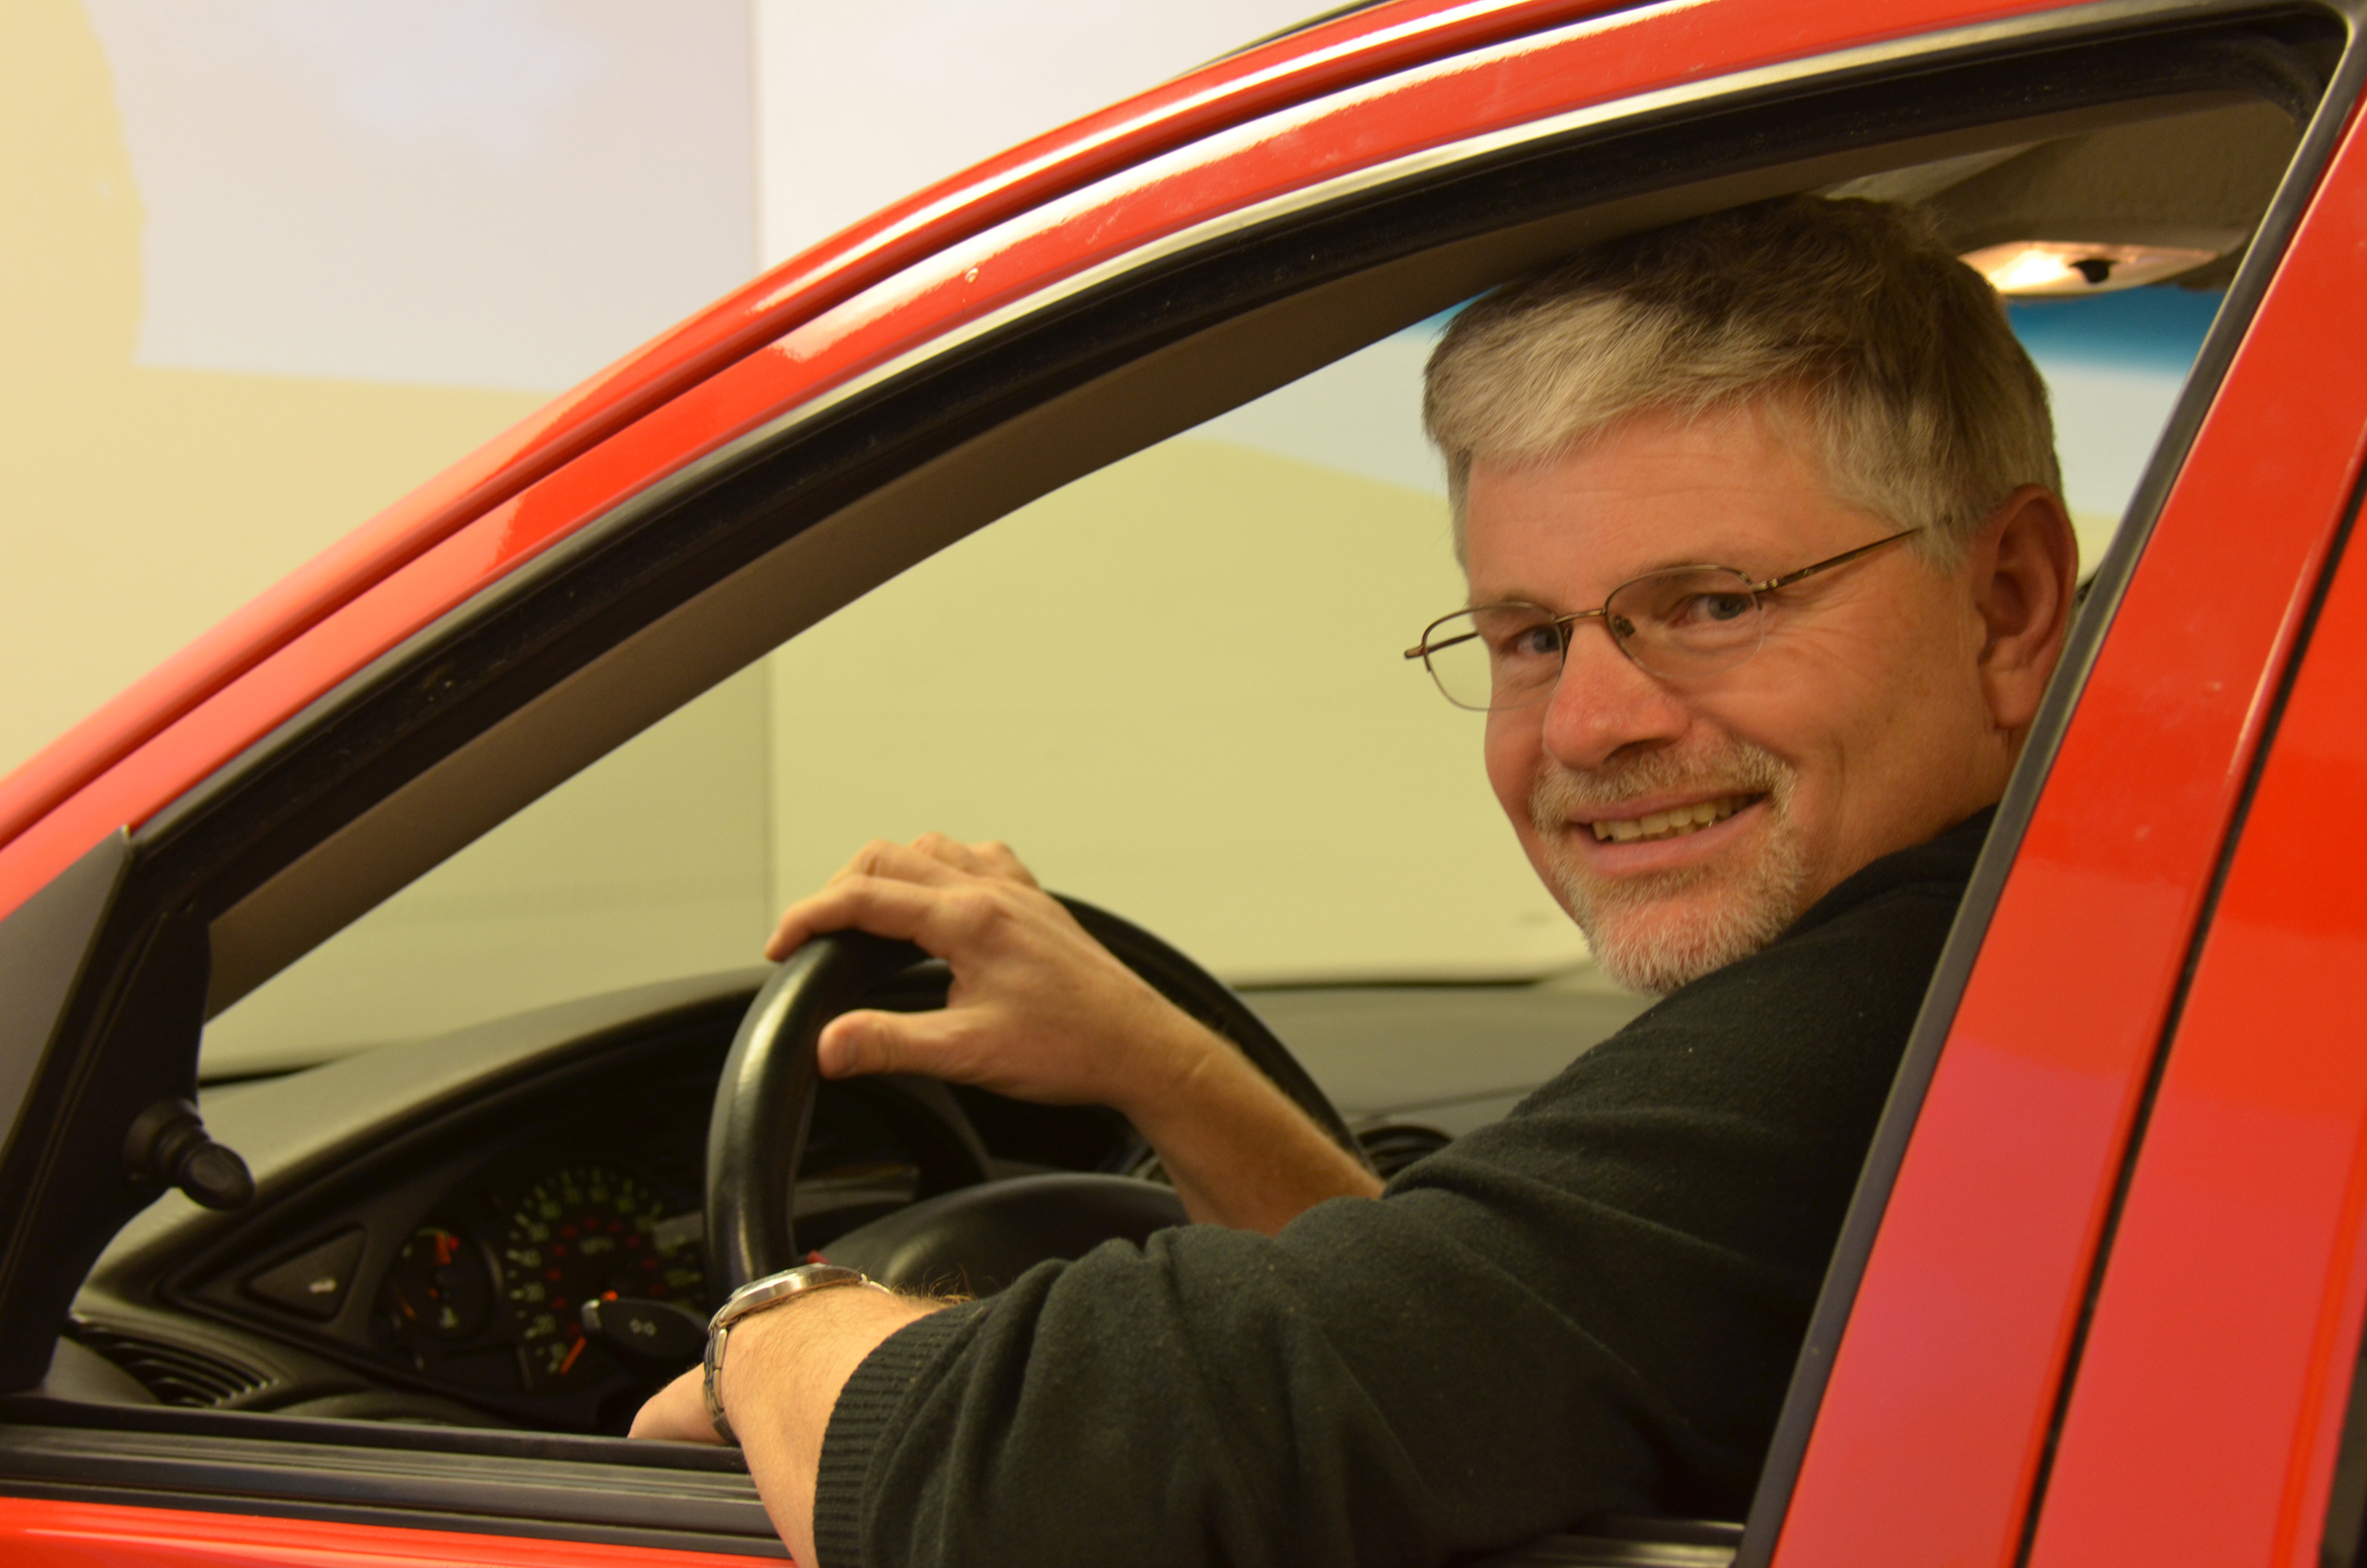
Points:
1605	703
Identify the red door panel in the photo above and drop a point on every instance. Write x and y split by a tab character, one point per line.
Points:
1944	1388
2208	1400
36	1532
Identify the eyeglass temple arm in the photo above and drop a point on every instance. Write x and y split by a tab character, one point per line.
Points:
1843	559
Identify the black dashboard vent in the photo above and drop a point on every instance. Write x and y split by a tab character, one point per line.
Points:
176	1374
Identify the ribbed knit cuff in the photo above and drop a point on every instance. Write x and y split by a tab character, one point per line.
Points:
862	1418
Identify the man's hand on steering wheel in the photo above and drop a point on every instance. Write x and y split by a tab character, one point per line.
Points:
1040	1011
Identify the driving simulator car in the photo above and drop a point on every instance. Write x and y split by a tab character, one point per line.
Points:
2101	1293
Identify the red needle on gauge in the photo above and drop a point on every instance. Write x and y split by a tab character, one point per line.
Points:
577	1350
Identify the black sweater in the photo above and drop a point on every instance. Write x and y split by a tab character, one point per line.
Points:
1593	1304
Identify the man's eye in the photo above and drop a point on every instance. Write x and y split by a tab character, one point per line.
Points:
1538	641
1711	609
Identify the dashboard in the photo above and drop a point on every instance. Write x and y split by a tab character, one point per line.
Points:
432	1220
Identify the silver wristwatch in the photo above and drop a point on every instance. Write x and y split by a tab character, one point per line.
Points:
753	1297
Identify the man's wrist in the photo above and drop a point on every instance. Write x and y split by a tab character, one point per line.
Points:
764	1295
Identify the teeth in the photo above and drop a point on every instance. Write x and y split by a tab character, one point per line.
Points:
1668	823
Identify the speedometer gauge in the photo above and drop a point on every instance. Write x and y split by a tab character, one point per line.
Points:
590	1234
437	1291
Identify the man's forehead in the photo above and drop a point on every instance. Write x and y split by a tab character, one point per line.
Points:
1531	534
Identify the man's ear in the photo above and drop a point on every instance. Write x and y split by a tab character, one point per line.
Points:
2024	571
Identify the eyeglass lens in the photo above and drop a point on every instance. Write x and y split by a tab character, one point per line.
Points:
1687	621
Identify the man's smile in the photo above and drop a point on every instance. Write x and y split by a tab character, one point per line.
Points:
1670	821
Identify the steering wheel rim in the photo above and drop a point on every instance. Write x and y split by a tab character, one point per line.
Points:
764	1099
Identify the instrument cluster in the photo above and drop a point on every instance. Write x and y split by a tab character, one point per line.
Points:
497	1303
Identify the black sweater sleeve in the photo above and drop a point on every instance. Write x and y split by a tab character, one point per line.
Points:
1591	1305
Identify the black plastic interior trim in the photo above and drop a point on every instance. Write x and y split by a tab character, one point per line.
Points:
201	1280
44	943
127	1040
2339	1540
2109	587
1628	1544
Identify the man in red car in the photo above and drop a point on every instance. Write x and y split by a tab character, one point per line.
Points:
1767	572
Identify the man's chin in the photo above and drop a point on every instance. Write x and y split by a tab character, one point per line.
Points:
1657	960
1657	939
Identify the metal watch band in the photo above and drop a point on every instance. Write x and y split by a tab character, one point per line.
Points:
755	1297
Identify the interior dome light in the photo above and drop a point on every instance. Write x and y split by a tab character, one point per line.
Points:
2069	266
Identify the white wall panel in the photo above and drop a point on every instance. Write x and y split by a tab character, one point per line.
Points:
860	105
460	192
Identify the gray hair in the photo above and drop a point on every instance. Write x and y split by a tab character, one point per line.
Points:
1920	405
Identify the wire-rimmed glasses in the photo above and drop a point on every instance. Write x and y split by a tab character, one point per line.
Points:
1677	622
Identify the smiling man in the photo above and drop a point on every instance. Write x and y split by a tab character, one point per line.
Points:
1767	574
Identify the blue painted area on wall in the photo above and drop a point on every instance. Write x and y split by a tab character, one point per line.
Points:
2156	328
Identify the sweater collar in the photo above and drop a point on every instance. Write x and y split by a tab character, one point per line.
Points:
1946	858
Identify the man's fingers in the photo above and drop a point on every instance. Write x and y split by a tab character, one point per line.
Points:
952	852
885	907
677	1413
885	858
864	1043
988	858
853	896
939	918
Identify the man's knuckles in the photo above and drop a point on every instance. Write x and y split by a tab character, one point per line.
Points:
977	913
1005	862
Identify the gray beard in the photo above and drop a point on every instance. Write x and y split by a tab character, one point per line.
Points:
1657	956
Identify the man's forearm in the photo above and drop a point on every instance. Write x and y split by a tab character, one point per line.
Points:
1240	1153
782	1373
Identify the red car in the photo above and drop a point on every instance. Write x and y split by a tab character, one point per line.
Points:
2100	1295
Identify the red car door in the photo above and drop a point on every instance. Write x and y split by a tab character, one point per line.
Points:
2215	1366
1979	1409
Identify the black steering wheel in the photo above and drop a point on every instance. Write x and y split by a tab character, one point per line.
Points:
978	1236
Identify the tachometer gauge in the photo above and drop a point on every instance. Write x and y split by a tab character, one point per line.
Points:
438	1291
584	1234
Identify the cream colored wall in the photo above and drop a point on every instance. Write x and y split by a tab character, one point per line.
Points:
1176	689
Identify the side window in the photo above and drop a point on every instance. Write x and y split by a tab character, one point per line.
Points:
1173	686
